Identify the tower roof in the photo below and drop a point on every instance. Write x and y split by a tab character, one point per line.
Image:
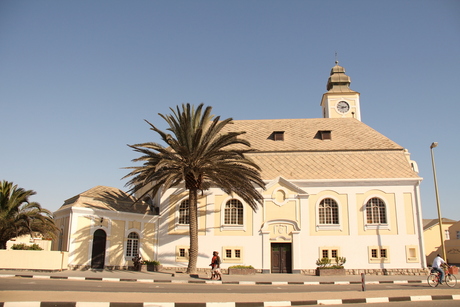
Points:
338	80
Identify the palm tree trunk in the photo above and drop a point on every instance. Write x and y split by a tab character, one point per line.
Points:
193	230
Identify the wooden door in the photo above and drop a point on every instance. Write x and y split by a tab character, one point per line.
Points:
281	258
98	252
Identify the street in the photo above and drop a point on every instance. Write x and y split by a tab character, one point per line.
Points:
62	290
14	284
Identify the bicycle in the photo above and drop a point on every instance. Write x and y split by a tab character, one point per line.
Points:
435	276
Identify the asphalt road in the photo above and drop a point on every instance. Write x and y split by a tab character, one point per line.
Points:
14	289
15	284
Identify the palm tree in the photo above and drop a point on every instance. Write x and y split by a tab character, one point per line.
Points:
199	155
19	216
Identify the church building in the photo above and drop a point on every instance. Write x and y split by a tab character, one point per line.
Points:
334	188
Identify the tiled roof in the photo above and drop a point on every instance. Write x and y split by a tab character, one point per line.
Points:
106	198
355	151
334	165
301	134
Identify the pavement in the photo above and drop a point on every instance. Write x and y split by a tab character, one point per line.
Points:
217	298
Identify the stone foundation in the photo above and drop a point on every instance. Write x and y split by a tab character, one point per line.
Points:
387	272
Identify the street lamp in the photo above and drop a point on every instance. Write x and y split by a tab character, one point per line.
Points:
443	249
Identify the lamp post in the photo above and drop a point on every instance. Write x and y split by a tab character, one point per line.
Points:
443	249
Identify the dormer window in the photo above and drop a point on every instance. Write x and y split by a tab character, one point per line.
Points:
324	135
278	135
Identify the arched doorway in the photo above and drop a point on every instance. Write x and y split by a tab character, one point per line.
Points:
98	253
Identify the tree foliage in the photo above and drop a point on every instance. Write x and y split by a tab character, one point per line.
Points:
19	216
198	155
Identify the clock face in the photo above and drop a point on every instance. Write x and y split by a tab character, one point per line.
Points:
343	106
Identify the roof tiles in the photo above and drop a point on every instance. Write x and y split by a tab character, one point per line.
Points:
355	151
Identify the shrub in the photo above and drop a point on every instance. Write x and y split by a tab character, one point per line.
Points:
323	262
22	246
326	263
241	267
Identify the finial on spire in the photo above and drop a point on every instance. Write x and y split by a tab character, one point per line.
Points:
336	60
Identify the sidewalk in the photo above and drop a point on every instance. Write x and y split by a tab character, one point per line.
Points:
284	298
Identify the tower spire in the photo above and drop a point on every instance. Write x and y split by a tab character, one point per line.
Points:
338	80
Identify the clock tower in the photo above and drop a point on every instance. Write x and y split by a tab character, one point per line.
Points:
340	101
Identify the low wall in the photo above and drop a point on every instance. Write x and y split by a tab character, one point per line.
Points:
33	260
390	272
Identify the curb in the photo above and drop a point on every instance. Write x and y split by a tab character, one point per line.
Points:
203	281
419	298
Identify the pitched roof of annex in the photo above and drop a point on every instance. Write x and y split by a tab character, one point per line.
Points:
106	198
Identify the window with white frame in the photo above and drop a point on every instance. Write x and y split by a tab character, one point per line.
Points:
328	211
182	253
184	213
232	254
329	252
233	212
379	254
132	245
376	211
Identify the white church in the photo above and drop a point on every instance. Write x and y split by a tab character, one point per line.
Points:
334	188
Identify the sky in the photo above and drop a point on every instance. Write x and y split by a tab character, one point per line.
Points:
78	78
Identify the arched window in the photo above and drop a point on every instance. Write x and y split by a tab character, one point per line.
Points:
184	216
233	213
376	211
328	211
132	245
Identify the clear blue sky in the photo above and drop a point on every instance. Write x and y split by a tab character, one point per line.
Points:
77	79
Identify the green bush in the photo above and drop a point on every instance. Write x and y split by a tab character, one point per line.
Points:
323	262
22	246
326	263
241	267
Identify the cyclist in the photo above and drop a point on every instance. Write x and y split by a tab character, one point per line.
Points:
437	266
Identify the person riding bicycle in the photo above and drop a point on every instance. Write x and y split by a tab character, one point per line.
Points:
438	262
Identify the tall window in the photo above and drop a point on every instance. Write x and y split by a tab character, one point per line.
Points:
376	211
233	212
184	216
446	232
328	211
132	246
